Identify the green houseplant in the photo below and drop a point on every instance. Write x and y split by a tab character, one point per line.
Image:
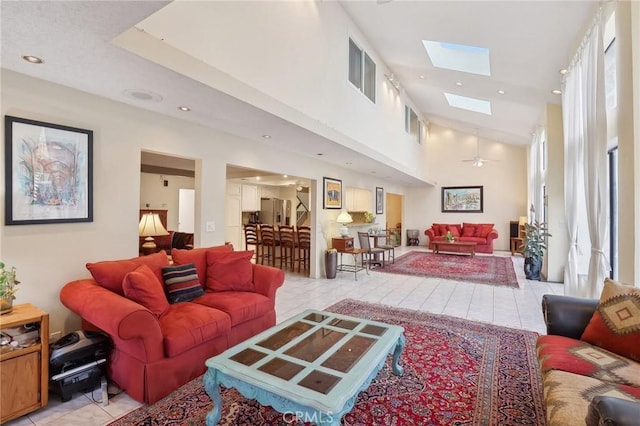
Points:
534	244
8	288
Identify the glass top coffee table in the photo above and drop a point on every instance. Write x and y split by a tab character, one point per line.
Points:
311	366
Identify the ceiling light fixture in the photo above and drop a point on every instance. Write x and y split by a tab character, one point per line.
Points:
184	108
422	77
33	59
459	83
394	81
563	71
556	92
266	136
257	177
501	92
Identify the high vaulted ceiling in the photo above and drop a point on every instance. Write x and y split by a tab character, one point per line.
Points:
529	43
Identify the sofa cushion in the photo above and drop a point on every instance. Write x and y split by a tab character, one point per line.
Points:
454	229
477	240
468	230
110	273
615	325
568	396
230	271
241	306
483	229
142	286
436	229
575	356
185	325
198	257
181	283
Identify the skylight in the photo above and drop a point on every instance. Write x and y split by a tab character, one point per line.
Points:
458	57
470	104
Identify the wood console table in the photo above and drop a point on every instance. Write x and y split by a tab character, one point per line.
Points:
345	245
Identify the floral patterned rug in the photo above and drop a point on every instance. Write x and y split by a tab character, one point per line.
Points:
493	270
456	372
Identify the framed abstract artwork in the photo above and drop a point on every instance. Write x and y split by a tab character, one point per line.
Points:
379	200
332	198
48	173
462	199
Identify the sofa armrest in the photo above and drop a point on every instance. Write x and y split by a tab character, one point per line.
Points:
430	233
492	236
612	411
267	280
133	328
566	315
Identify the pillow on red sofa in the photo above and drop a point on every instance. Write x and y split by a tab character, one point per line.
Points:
110	273
483	229
230	271
198	257
143	287
615	325
468	230
181	283
454	229
436	229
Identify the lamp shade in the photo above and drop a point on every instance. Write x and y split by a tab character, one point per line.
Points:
344	218
522	220
151	226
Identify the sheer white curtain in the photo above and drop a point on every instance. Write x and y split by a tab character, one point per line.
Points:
585	128
573	166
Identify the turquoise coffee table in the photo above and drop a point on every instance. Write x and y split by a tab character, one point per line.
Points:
311	366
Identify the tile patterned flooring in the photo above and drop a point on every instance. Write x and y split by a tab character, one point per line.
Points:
517	308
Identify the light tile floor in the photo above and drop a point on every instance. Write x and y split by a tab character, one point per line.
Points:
517	308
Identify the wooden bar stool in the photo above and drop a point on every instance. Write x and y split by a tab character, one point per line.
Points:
303	255
267	253
287	242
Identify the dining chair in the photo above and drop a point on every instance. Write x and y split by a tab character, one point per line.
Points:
251	238
386	244
287	242
371	255
267	238
303	250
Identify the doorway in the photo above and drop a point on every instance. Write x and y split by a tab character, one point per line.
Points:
394	217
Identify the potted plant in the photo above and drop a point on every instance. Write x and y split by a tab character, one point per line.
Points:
369	217
449	236
533	247
8	288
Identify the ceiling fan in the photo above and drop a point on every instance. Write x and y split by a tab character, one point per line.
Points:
478	161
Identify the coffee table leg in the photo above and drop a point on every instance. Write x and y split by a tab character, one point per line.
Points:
212	387
397	368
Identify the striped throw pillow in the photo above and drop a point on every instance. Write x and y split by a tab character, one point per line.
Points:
181	283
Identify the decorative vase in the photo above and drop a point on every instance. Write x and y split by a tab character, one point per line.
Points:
331	264
6	304
532	268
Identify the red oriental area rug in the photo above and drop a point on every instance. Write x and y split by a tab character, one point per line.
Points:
492	270
456	372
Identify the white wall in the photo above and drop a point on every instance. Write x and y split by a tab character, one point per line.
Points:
154	195
504	182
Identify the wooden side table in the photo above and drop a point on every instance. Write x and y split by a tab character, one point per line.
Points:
515	245
24	372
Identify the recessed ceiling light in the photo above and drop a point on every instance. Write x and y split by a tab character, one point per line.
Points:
556	92
142	95
348	163
184	108
33	59
501	92
266	136
563	71
319	153
459	83
257	177
422	77
285	176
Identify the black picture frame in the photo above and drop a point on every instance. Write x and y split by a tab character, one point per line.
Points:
332	193
48	173
462	199
379	200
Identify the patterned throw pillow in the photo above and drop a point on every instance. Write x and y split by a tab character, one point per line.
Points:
615	325
181	283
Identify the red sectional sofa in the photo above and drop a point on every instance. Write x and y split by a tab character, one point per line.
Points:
159	346
481	233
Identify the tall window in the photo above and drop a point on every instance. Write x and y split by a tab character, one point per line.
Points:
362	71
412	125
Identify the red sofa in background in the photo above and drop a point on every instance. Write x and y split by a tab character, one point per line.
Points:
160	346
481	233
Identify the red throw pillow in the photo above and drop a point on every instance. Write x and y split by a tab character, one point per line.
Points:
436	229
615	325
484	229
443	229
110	273
143	287
198	257
230	271
454	229
468	230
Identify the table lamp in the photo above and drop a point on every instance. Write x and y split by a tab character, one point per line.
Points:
150	226
344	218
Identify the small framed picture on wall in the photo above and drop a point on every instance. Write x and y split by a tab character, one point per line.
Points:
332	193
379	200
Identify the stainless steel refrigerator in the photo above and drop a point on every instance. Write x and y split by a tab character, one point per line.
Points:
275	211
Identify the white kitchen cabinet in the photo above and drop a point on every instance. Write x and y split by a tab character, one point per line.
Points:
358	200
250	198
